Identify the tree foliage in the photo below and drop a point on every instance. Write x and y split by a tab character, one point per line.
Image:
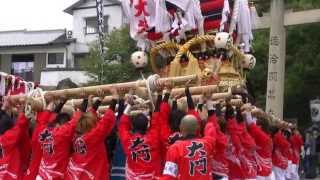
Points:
118	44
264	5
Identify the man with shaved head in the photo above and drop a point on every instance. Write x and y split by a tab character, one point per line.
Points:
189	126
191	156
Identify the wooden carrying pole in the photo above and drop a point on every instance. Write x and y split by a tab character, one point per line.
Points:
176	91
181	103
259	113
37	103
95	90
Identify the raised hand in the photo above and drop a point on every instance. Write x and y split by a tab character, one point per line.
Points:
6	103
114	93
50	106
90	100
130	99
178	96
168	86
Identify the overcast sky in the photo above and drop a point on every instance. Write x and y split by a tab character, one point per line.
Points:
34	14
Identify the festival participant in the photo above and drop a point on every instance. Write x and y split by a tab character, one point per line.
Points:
296	143
241	148
171	118
119	158
190	157
94	105
56	142
220	163
247	156
192	109
279	156
170	121
264	144
42	120
289	154
141	145
11	159
89	158
234	147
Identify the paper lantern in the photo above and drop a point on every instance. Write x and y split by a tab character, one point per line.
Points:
139	59
223	40
248	62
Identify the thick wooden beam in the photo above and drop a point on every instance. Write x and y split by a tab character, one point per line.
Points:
291	18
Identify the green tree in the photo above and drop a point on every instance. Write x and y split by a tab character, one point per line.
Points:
263	6
302	70
258	76
117	44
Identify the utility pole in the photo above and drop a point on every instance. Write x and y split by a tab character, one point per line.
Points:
100	24
276	64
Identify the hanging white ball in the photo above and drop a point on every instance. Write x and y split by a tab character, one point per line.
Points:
248	62
139	59
223	40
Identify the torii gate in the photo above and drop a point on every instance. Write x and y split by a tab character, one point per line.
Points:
277	21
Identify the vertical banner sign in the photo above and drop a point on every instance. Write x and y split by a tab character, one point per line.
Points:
276	64
99	6
315	110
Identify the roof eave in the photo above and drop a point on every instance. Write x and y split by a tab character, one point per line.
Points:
35	45
69	10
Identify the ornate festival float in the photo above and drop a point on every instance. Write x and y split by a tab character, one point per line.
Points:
205	44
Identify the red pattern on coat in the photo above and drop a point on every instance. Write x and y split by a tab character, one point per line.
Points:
11	157
89	158
264	150
280	154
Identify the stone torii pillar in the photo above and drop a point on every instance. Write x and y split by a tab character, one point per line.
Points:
276	63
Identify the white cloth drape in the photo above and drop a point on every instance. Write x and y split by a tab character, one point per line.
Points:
241	18
159	18
136	32
193	18
225	14
182	4
244	24
162	17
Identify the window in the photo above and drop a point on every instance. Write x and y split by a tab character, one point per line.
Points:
92	25
55	59
22	66
78	60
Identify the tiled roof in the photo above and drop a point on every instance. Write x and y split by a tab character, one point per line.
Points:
30	38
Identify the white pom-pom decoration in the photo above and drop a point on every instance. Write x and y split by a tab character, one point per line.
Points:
139	59
223	40
248	62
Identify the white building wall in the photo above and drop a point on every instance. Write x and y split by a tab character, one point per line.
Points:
40	50
114	21
52	78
